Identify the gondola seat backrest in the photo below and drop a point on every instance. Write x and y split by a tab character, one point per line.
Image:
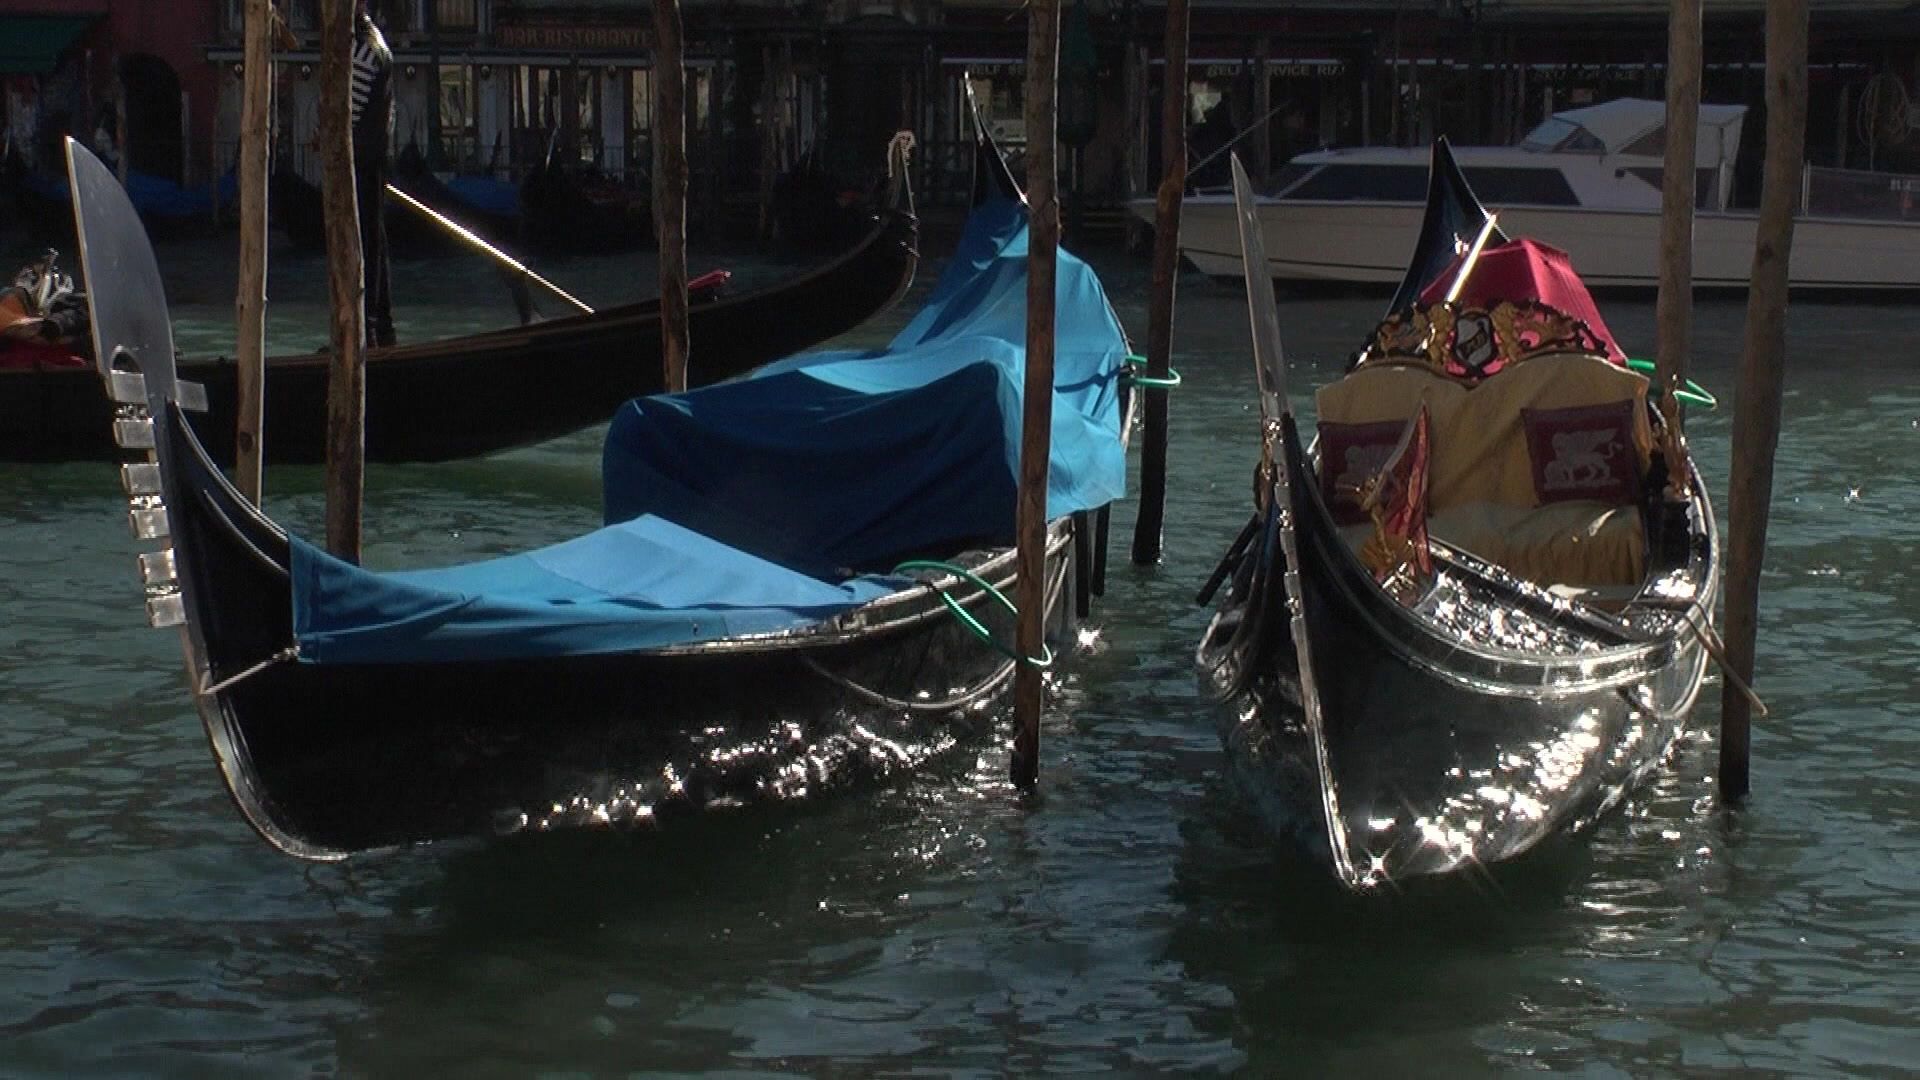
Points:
1537	467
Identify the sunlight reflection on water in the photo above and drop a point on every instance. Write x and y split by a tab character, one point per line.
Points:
1132	919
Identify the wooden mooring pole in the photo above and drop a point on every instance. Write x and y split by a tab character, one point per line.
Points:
1757	400
1036	429
670	187
769	143
1166	273
346	285
250	306
1674	308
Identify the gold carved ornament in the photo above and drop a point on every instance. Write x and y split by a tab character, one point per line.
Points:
1454	342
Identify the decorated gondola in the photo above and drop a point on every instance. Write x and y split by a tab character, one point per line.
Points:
1476	612
795	589
478	393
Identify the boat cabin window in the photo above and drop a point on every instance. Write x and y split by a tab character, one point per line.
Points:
1706	183
1368	183
1287	177
1513	187
1557	136
1652	144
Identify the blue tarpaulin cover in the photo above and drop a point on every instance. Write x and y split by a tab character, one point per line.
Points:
486	194
839	459
781	499
642	584
152	196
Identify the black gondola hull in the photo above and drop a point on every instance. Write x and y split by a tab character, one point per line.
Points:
1446	746
491	391
330	759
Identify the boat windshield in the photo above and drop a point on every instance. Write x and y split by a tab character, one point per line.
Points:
1289	175
1363	183
1562	136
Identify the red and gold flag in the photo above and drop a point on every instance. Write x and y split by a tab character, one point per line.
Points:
1396	499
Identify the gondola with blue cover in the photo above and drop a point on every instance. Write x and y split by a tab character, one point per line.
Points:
1475	613
794	590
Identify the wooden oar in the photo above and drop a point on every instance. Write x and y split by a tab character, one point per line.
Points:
1276	459
474	241
1473	257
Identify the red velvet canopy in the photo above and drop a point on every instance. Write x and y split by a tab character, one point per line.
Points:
1526	269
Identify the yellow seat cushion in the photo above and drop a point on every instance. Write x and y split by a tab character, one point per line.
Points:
1479	441
1561	543
1482	494
1587	545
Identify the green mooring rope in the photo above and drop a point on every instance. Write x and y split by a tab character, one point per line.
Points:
1135	364
1692	393
967	618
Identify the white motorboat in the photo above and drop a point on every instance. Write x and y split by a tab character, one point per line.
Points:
1586	180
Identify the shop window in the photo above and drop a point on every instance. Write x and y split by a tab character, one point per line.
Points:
459	130
456	14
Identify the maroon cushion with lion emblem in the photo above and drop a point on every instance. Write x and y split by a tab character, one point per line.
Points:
1584	452
1350	455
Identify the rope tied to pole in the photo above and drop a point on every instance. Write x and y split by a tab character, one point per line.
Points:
967	618
1135	372
1692	393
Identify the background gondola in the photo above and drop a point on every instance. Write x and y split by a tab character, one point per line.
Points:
478	393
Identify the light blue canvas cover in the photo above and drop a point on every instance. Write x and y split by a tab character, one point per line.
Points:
642	584
851	459
777	501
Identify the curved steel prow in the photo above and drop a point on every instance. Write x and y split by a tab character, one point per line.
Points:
127	302
134	342
1453	218
1279	443
133	349
991	176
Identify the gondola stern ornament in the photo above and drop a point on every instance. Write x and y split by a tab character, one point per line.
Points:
1278	448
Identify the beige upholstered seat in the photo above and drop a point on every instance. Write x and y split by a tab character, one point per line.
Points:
1484	481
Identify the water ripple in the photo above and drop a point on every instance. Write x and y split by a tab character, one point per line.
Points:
1131	919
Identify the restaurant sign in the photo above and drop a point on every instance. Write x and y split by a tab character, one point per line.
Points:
549	37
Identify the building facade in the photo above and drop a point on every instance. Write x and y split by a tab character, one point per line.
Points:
498	86
116	74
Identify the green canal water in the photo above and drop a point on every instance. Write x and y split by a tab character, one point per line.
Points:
1133	920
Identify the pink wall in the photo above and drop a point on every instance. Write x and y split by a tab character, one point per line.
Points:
177	31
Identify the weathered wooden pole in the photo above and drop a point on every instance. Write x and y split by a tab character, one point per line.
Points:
1756	418
346	285
1036	430
436	123
256	106
122	164
1263	108
1138	121
1166	273
1674	309
769	143
670	187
